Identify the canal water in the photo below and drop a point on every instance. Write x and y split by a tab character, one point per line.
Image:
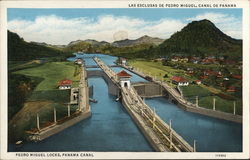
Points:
111	129
211	134
109	60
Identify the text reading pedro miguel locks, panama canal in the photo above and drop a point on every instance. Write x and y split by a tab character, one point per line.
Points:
182	5
74	155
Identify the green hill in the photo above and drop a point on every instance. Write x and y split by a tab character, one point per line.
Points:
19	50
201	38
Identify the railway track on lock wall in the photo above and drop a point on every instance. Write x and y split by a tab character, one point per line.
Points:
166	134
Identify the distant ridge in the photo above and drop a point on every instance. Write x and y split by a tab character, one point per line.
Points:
142	40
89	41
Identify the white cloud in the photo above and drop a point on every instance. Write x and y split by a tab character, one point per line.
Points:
57	30
228	24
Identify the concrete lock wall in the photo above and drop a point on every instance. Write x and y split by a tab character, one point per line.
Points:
147	132
112	88
69	123
215	114
149	89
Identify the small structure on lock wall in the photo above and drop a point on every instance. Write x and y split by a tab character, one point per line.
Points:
124	78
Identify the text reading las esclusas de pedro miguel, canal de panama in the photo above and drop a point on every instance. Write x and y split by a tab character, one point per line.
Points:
149	5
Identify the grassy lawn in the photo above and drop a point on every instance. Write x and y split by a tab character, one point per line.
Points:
156	69
45	97
221	104
190	92
194	90
52	72
19	65
206	99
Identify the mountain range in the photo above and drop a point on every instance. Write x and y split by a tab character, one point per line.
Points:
199	38
90	41
122	43
142	40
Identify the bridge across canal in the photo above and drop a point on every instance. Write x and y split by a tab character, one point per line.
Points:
160	135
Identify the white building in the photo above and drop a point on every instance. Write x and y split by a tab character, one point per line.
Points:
124	79
65	84
180	81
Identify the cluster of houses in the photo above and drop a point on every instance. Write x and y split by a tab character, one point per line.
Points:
205	60
180	81
205	74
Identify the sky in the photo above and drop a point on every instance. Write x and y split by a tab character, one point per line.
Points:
61	26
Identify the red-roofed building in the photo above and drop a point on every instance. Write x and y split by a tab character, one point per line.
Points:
180	81
203	77
198	82
236	76
65	84
231	89
209	60
212	73
123	74
124	77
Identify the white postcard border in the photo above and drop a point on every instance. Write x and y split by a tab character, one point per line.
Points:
122	155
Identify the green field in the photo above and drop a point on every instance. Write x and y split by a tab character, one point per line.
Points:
206	99
52	72
221	104
156	69
45	96
194	90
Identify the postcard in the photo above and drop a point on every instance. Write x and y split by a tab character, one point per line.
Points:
125	79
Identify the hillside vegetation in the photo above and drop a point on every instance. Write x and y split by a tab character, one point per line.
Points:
201	38
19	50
